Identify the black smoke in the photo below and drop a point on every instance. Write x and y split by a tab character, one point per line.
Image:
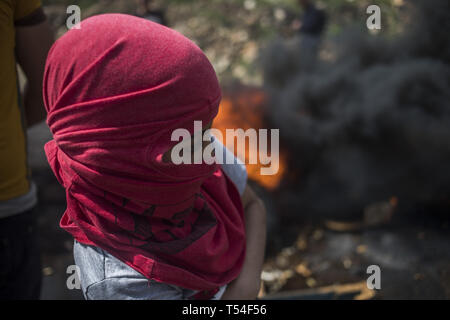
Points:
372	121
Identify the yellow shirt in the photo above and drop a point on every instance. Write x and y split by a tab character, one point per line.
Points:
14	171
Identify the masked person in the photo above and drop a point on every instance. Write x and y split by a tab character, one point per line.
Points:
145	227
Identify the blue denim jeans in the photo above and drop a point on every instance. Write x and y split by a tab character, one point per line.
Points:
104	277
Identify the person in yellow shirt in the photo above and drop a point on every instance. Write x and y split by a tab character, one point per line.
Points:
25	38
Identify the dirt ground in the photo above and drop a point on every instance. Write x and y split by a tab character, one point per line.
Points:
412	252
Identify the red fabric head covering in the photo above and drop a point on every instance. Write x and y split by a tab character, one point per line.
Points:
114	91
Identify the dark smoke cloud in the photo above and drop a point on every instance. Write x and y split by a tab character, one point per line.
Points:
372	123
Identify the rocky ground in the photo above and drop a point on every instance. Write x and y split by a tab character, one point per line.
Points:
412	252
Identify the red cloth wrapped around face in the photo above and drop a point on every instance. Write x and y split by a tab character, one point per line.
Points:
114	91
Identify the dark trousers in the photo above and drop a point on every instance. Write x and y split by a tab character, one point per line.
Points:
20	264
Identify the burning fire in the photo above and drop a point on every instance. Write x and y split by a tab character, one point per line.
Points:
244	108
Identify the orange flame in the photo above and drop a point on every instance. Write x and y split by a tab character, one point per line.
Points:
244	108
